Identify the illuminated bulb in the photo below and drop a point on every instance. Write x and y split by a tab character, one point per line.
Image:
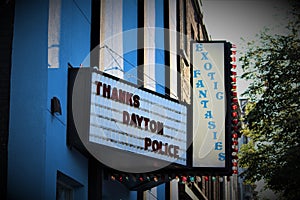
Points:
235	142
192	179
183	179
234	107
235	121
234	87
113	178
234	164
234	93
234	114
221	179
233	79
234	100
235	128
206	178
213	178
198	179
234	66
120	178
234	135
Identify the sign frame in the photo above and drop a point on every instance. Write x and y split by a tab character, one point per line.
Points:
73	139
227	169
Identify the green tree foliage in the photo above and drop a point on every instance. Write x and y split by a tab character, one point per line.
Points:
272	117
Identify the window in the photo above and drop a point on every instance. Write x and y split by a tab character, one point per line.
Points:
66	187
63	191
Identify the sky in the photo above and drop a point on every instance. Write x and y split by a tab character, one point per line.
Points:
232	20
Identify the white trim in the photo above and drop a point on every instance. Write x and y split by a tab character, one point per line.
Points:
190	192
173	49
111	35
149	45
54	33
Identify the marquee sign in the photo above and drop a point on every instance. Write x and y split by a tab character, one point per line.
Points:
125	127
130	119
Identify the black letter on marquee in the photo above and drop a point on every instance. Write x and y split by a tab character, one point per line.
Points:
99	84
147	143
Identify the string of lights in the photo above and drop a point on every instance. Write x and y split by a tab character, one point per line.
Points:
234	113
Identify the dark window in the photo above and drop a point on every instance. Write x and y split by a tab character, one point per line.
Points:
66	187
63	191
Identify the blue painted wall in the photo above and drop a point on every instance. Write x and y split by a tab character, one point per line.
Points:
37	140
130	34
29	82
159	47
161	192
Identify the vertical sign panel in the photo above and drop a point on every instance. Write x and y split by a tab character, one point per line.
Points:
209	104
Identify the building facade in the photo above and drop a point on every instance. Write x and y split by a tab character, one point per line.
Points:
144	42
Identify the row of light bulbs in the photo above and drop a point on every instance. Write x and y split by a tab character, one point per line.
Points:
180	179
234	113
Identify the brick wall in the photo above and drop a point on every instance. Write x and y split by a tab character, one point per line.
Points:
191	23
